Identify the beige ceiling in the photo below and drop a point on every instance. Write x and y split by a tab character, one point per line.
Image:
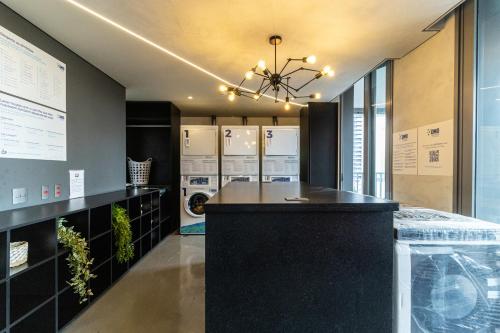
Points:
226	37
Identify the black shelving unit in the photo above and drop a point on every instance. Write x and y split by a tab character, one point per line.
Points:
153	131
35	296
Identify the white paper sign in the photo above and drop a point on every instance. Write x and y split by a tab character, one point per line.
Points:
31	131
435	149
29	72
76	183
405	157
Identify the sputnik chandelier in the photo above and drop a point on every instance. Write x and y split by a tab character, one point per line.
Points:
277	81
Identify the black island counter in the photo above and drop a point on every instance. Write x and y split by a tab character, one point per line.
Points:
289	257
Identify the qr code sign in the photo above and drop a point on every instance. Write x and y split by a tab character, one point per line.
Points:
434	156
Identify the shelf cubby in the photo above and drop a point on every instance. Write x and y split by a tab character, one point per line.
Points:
100	249
145	244
155	218
155	236
145	224
31	288
42	240
117	269
122	204
3	306
137	253
80	223
102	280
145	203
100	220
134	207
155	200
43	320
68	306
63	272
136	229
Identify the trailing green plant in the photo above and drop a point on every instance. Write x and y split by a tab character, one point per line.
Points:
123	234
78	259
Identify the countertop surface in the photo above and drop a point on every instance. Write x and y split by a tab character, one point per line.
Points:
27	215
258	197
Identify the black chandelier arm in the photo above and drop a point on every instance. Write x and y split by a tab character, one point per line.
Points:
311	70
262	85
242	81
286	64
287	88
305	84
264	76
265	90
290	73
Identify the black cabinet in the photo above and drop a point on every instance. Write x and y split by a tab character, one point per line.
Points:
153	131
319	144
36	296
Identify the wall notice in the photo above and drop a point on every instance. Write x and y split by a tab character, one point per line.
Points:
405	148
435	149
31	131
30	73
76	183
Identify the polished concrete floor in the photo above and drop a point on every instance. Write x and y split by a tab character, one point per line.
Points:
165	292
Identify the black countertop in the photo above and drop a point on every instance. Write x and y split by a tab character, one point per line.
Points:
253	197
27	215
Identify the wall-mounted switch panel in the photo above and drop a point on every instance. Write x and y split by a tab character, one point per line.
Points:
57	190
19	195
45	192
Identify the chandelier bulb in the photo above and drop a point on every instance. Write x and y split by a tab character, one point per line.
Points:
315	96
310	60
249	75
262	64
231	96
287	106
256	96
222	88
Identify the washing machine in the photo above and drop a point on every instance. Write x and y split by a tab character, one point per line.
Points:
199	150
195	192
447	273
280	153
240	154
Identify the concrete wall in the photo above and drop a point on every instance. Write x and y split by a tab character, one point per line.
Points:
424	94
95	128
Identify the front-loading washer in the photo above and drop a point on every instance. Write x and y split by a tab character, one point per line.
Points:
195	192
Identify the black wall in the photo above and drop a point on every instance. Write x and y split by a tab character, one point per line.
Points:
319	144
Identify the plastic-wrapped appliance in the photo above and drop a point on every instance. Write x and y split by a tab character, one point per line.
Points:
447	273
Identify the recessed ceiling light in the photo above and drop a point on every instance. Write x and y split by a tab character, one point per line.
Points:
190	97
161	48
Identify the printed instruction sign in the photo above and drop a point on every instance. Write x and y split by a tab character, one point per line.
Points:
435	149
405	152
31	131
30	73
76	183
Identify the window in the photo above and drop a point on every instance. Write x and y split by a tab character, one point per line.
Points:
358	136
378	99
365	134
487	168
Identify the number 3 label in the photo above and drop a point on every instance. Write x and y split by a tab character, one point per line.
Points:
269	134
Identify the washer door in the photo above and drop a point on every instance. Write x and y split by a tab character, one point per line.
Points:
194	204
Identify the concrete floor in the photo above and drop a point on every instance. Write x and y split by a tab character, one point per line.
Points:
165	292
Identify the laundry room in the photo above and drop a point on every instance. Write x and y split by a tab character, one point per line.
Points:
191	167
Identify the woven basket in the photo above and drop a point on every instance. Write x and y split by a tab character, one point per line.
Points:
18	253
139	171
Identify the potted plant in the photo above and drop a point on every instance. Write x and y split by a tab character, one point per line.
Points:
123	234
78	259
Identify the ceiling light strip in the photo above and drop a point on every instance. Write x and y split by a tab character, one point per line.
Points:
159	47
